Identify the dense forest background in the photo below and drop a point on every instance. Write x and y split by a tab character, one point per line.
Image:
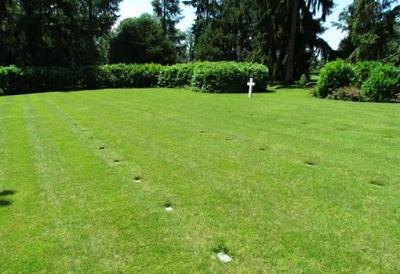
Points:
282	34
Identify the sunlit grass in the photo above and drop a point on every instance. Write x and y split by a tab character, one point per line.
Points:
283	182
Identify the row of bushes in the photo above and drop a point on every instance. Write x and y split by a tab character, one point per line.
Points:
363	81
205	76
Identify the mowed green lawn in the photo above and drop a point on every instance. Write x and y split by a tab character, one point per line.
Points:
283	182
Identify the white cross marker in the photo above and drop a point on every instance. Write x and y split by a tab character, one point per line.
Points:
251	84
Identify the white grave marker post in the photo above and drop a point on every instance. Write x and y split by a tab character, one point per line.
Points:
251	84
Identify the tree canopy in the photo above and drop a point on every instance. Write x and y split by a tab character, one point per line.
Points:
371	27
282	34
141	40
54	32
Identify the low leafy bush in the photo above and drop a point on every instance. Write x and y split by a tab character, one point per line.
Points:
363	71
9	78
383	84
334	75
228	76
362	81
128	76
15	80
346	93
179	75
210	77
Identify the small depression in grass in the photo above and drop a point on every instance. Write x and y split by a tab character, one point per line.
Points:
102	147
137	179
222	254
310	163
5	203
168	207
202	131
116	161
263	149
376	183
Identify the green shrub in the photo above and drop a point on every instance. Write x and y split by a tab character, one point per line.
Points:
128	76
383	84
304	80
215	77
346	93
179	75
363	71
9	78
228	76
334	75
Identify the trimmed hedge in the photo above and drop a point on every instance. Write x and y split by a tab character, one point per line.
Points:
334	75
363	71
179	75
207	77
383	84
127	76
362	81
228	76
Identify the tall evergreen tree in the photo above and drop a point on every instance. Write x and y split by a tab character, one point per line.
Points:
265	31
302	11
55	32
371	29
131	44
169	14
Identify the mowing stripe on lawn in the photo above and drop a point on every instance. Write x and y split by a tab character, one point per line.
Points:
268	208
114	120
23	241
117	197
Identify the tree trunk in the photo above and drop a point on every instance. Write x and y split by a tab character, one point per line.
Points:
289	77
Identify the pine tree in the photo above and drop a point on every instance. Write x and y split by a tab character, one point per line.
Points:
169	14
371	29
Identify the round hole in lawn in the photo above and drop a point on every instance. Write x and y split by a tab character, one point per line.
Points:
222	253
376	183
102	147
168	207
310	163
5	203
116	161
137	179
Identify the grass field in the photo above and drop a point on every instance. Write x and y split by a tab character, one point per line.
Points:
283	182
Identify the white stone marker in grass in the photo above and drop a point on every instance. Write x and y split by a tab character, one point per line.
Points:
223	257
168	207
251	84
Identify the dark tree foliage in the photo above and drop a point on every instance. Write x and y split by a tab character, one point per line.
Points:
279	33
141	40
371	27
54	32
169	14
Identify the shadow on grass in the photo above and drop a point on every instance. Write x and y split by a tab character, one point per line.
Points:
296	85
7	192
4	203
239	92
